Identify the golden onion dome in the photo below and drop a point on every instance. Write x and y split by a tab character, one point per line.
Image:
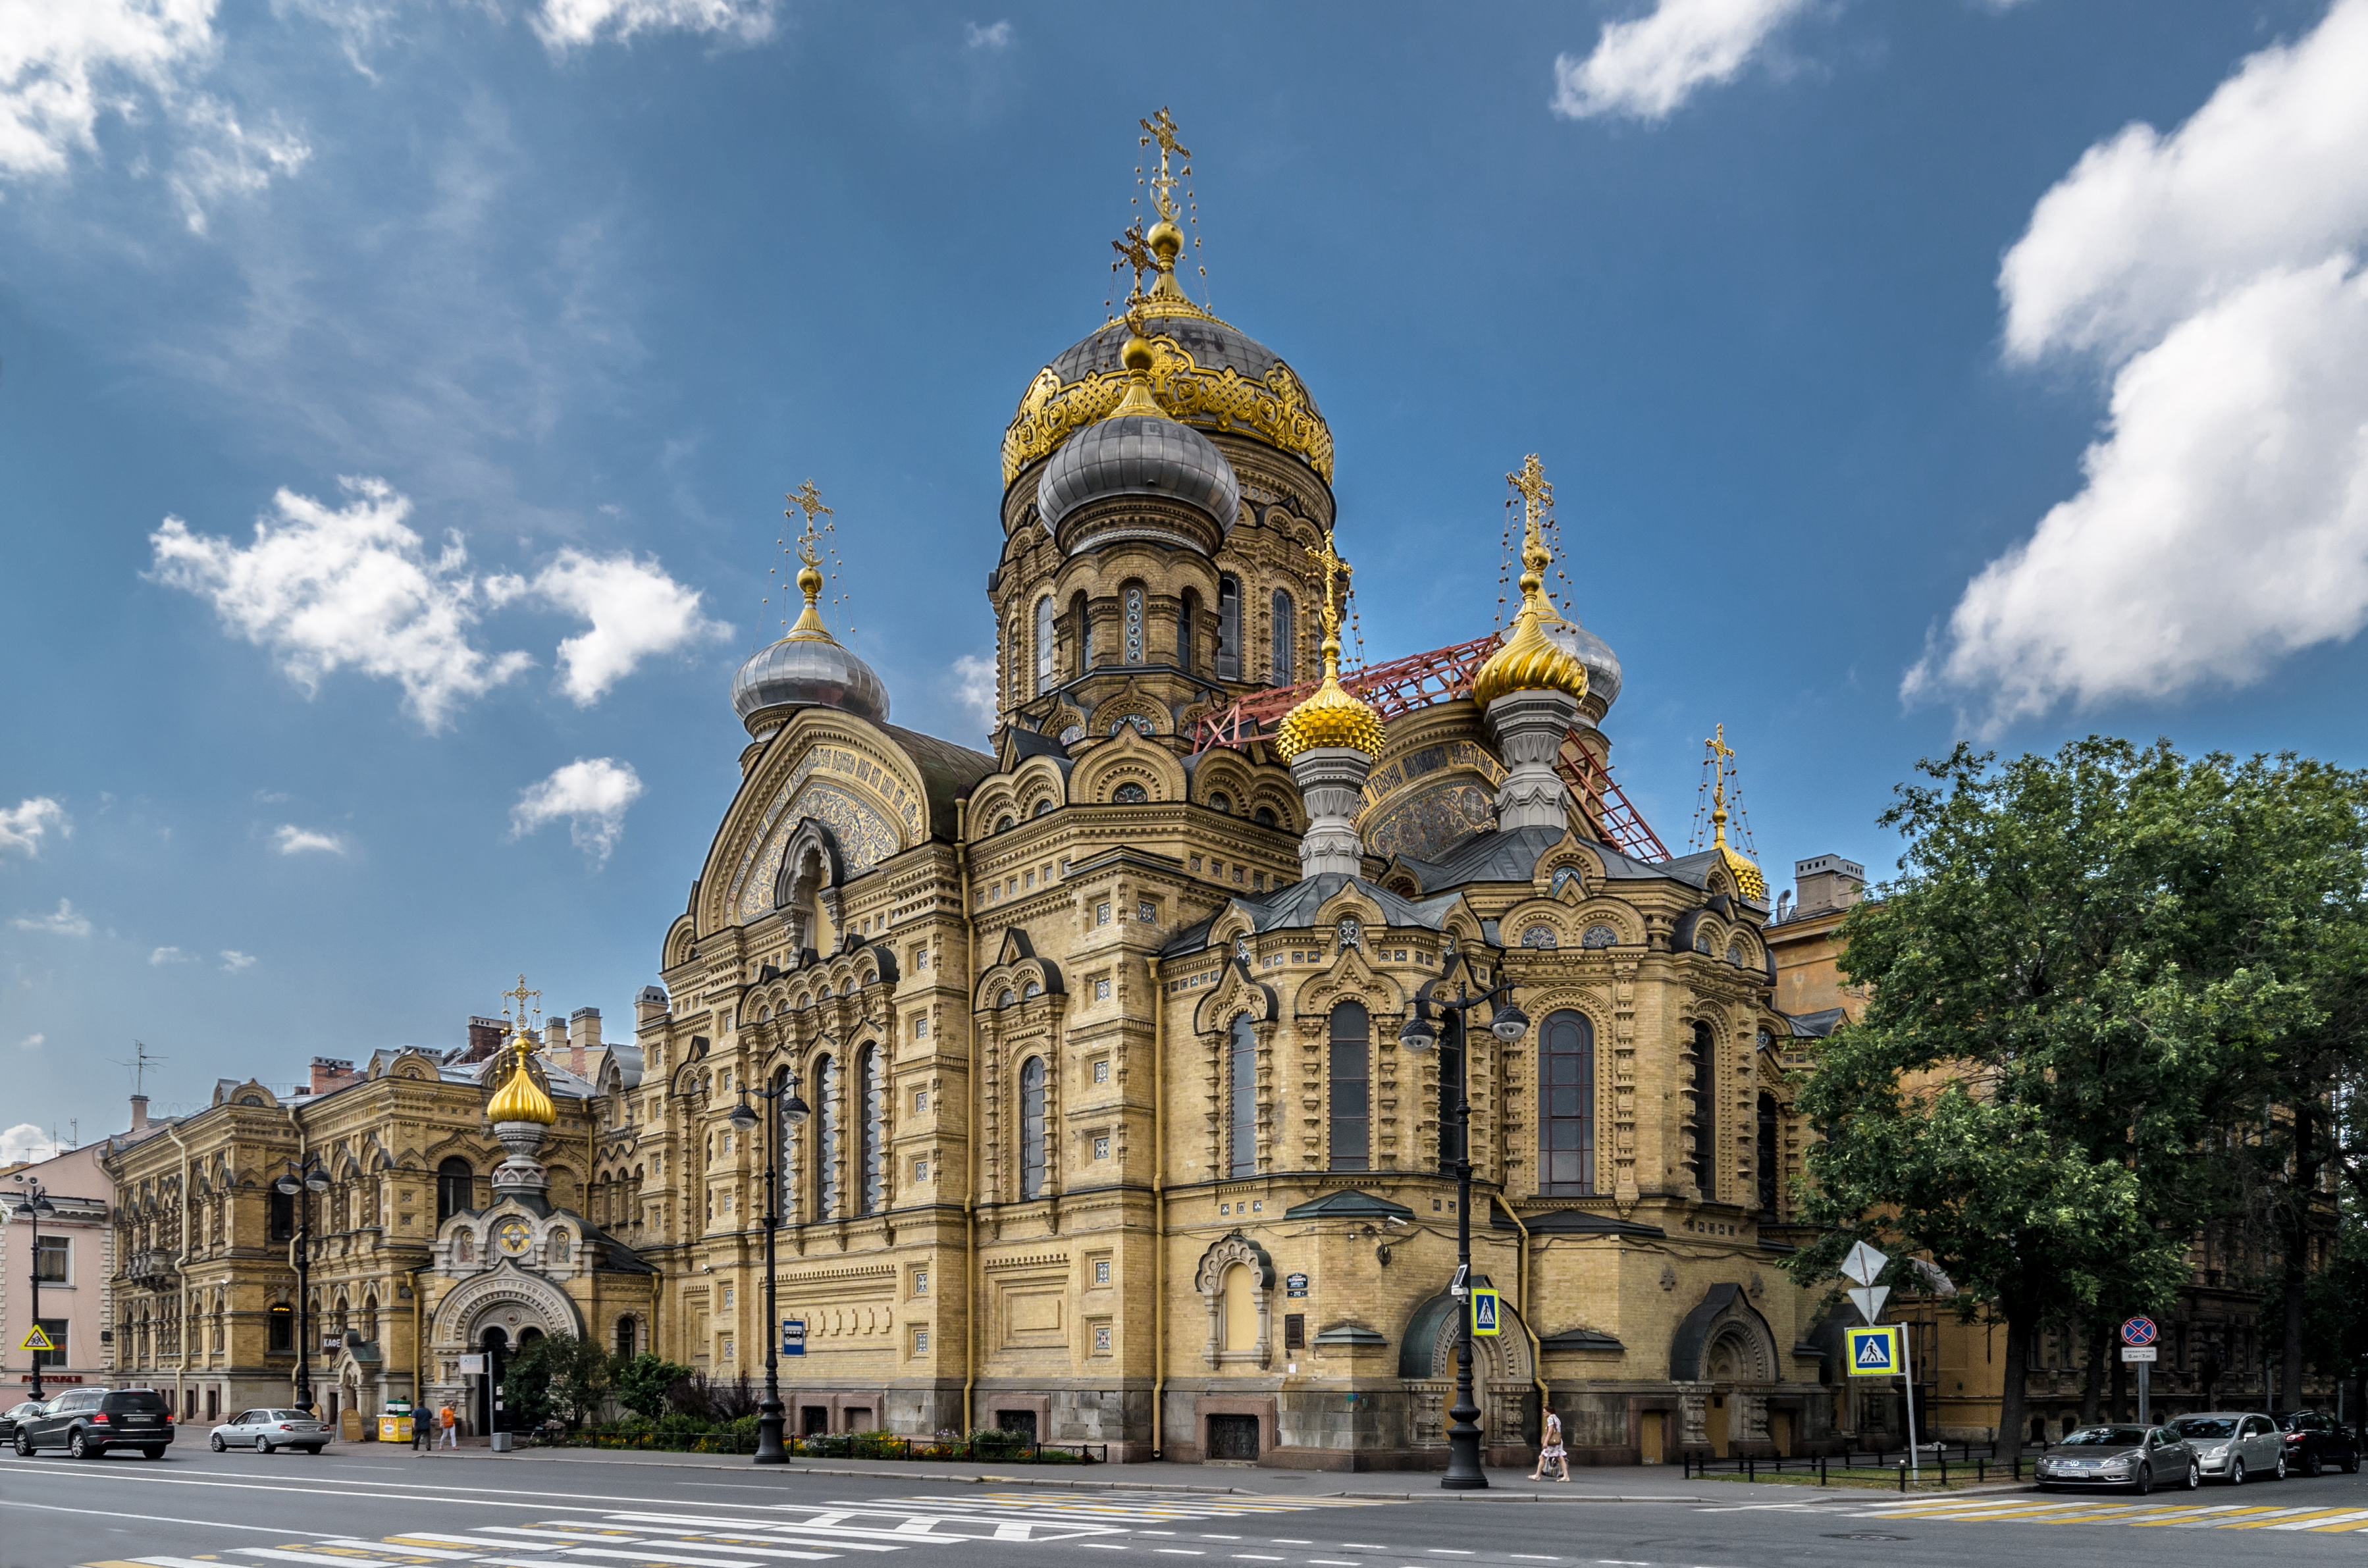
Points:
1747	878
1331	718
1531	659
521	1098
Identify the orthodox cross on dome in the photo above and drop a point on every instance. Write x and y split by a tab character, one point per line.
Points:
1132	252
521	996
1537	492
1161	129
805	498
1334	566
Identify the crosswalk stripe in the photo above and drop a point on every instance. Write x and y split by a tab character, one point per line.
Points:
279	1556
533	1532
455	1540
2288	1516
169	1562
404	1548
640	1556
2345	1517
769	1529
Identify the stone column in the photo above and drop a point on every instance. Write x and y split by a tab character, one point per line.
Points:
1332	781
1528	727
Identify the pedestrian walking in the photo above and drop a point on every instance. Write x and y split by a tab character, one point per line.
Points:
1549	1451
451	1424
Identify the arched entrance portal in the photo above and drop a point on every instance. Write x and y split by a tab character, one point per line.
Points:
1725	1350
495	1345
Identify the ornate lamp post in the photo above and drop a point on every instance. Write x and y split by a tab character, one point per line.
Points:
1508	1023
33	1203
300	1180
769	1413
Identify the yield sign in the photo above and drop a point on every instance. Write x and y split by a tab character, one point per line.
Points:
37	1340
1863	1264
1870	1299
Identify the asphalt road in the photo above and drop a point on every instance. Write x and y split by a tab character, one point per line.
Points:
368	1508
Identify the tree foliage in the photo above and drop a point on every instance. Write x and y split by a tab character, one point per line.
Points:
555	1376
641	1382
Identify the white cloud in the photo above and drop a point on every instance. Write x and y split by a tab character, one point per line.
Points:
564	24
63	63
23	825
169	955
25	1142
223	157
62	922
993	37
324	588
1647	67
33	1042
234	960
591	795
2224	521
975	688
636	611
293	840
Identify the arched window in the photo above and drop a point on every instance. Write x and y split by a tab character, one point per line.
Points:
1263	816
1766	1167
1130	795
1241	1099
1352	1104
629	1335
1081	626
454	1182
1538	936
1286	629
1564	876
1566	1130
1044	642
1229	628
1703	1056
872	1194
1032	1129
825	1126
1187	621
1133	631
1599	937
786	1133
1221	802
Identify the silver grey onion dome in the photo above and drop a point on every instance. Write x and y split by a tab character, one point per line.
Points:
1602	665
1139	454
808	671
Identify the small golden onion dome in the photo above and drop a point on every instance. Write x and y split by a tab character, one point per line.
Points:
1529	659
521	1098
1331	718
1747	878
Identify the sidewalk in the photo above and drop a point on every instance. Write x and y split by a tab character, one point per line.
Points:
1586	1485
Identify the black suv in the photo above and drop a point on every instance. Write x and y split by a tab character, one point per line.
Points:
87	1422
2314	1442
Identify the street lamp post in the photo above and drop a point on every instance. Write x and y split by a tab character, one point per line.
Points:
33	1203
1508	1023
299	1181
769	1413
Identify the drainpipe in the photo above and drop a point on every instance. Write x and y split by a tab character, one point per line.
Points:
1158	1209
419	1350
1521	1282
970	1132
181	1268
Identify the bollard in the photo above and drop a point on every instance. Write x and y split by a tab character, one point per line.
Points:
1902	1475
1821	1469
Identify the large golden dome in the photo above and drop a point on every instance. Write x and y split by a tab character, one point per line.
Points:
521	1098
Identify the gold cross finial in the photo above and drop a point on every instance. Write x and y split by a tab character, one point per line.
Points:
521	996
1537	494
1722	756
1334	566
806	498
1161	129
1136	254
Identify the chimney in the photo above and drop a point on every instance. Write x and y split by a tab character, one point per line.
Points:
554	1038
139	1112
583	1036
649	1006
1827	882
328	1073
485	1039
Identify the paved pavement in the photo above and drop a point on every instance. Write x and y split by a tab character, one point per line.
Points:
366	1508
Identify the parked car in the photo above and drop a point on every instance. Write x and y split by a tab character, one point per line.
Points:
14	1414
266	1431
2140	1458
86	1422
2314	1441
2235	1445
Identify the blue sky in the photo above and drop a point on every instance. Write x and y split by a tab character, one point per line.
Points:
1906	371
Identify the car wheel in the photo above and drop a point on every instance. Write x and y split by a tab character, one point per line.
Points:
79	1448
2235	1471
215	1443
263	1445
24	1447
313	1449
2281	1467
2194	1475
2351	1465
2145	1482
2312	1465
153	1452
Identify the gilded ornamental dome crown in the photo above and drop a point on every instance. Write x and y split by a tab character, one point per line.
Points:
808	667
1530	659
520	1099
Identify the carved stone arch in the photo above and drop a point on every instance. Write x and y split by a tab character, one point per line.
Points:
1627	925
1222	772
1724	1319
469	1144
1427	1346
989	805
495	1296
1282	799
1572	854
1126	759
1238	992
680	938
412	1065
1216	1264
812	874
1037	785
1516	923
1350	978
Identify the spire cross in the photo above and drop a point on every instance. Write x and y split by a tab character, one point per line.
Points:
1161	129
1537	494
1721	757
520	996
1136	254
805	498
1329	558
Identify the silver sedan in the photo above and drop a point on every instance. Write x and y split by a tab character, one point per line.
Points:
2140	1458
269	1429
2235	1445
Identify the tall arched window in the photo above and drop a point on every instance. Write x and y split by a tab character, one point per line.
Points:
1566	1130
826	1141
455	1180
1703	1055
1081	626
872	1192
1044	640
1241	1099
785	1133
1352	1104
1229	628
1187	621
1286	630
1032	1129
628	1336
1766	1165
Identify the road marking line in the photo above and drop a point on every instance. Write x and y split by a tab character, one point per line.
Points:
2293	1515
2345	1517
768	1529
175	1563
1256	1557
613	1538
279	1556
401	1547
639	1556
455	1539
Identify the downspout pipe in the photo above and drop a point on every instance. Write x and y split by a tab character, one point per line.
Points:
970	1132
1158	1210
181	1268
1521	1305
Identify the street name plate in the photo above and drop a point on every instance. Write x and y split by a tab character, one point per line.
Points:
2138	1352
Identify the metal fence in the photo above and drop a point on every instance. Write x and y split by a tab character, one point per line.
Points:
1881	1464
992	1449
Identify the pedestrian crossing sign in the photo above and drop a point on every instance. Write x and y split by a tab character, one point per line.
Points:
1483	1309
37	1340
1874	1352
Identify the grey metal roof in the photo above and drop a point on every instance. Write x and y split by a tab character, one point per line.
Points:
1139	454
1349	1204
1295	907
1602	663
1580	1223
948	772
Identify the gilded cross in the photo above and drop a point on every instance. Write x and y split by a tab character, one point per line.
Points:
806	498
1722	759
1329	558
1161	128
521	996
1135	254
1537	494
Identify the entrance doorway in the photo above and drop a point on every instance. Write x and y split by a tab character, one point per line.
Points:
1780	1432
1715	1425
497	1348
1233	1437
1652	1440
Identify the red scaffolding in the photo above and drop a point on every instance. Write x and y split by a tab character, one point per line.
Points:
1420	680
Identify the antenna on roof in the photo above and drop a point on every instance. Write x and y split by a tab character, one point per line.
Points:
142	1059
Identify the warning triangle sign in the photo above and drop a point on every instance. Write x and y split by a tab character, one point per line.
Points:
1874	1352
37	1340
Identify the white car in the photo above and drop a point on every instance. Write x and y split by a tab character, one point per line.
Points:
266	1430
2234	1445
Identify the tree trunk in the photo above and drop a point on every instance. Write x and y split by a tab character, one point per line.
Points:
2092	1379
2297	1259
2120	1411
2020	1328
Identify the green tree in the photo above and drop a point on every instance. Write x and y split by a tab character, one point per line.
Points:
641	1382
2091	966
557	1377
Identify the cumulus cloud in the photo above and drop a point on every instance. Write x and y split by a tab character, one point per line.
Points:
992	38
1645	68
28	1142
636	611
233	961
568	24
590	795
2216	274
61	922
23	825
975	688
293	840
324	588
61	65
168	955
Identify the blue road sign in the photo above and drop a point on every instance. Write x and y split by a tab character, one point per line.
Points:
1483	1309
1874	1352
794	1337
